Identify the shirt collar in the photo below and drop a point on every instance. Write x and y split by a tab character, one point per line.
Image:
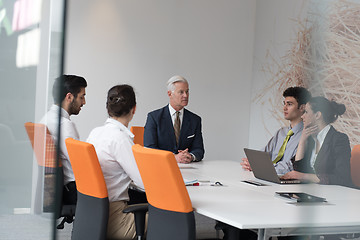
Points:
298	127
64	113
322	134
119	125
173	111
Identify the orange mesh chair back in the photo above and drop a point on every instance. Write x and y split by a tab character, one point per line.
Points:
355	165
139	134
44	149
171	214
92	208
43	145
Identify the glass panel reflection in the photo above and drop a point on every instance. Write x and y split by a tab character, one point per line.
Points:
30	59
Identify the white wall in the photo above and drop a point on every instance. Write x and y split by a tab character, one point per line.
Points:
275	32
144	43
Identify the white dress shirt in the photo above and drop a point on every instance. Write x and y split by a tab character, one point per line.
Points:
68	129
113	143
320	139
181	116
173	115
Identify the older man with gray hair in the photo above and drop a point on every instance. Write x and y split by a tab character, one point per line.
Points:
174	128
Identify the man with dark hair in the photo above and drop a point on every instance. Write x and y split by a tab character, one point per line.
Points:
283	145
69	95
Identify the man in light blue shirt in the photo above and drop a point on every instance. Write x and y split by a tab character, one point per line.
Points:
295	99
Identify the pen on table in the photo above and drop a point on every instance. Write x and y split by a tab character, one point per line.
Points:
207	184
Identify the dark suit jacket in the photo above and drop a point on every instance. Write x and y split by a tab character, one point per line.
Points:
332	164
159	132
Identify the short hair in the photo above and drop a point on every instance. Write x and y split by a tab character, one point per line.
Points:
330	110
67	84
120	100
173	80
301	94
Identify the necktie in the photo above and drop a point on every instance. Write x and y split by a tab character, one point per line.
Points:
177	127
282	149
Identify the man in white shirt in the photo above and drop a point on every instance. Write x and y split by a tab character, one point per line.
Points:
69	96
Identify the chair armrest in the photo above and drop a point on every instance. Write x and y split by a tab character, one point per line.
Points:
139	211
142	207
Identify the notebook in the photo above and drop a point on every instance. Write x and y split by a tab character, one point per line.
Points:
263	168
300	197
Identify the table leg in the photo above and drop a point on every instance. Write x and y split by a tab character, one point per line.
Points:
261	234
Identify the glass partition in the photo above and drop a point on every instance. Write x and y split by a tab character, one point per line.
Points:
31	49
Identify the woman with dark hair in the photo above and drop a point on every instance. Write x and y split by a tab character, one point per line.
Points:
323	154
113	143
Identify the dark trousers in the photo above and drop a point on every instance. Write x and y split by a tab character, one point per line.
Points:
136	196
231	232
69	194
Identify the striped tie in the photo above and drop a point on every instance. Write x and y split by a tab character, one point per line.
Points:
177	127
283	147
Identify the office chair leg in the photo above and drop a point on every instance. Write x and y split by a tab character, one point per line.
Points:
140	224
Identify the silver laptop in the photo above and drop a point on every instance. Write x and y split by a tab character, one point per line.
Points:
263	168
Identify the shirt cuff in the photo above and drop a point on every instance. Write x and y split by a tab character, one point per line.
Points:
193	157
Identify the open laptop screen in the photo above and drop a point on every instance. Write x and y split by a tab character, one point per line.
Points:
262	166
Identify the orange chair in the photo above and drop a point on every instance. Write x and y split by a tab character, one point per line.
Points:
45	152
92	208
171	214
43	146
139	134
355	165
